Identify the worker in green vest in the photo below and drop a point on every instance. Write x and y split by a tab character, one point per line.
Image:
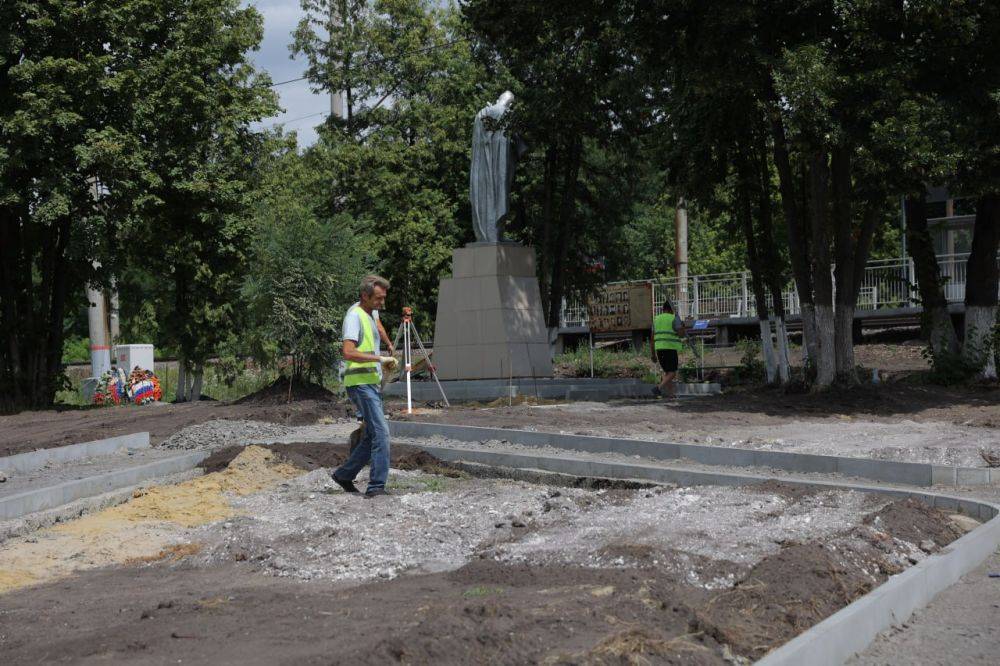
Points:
668	329
362	369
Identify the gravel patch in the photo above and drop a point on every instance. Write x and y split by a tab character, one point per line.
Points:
685	527
220	433
309	528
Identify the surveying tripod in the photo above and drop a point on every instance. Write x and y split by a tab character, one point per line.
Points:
408	332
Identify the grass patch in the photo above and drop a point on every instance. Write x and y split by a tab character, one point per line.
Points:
608	364
420	484
482	591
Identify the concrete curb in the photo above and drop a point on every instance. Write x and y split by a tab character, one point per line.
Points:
889	471
34	460
849	630
549	389
50	497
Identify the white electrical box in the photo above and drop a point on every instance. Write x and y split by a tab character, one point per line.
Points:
130	356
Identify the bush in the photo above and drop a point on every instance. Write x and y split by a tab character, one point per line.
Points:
76	350
751	369
608	364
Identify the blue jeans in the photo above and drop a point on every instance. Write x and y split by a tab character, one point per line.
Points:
374	445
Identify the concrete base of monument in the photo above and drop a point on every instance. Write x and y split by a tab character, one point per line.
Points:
489	321
599	390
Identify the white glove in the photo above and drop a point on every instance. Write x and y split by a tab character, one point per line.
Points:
389	363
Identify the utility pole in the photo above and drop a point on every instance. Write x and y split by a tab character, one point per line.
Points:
681	256
97	317
336	96
100	350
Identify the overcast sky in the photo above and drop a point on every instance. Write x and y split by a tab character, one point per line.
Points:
297	100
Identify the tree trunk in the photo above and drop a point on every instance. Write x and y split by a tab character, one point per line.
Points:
771	261
819	191
767	351
982	276
745	216
809	335
199	373
784	365
943	340
798	235
846	260
181	393
567	214
548	195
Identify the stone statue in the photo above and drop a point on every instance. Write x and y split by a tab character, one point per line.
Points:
494	155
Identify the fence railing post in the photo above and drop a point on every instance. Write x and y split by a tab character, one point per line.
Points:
694	289
911	280
745	303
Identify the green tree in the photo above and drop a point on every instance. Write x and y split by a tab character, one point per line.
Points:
398	162
57	89
195	94
305	270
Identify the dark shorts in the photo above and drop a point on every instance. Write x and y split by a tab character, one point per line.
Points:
667	359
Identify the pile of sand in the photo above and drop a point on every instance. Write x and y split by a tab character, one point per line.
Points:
143	527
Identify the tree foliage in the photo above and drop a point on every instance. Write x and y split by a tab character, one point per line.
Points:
305	270
126	140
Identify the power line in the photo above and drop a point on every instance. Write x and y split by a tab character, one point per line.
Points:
295	120
424	49
281	83
383	60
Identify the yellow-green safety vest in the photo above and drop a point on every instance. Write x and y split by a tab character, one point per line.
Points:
664	335
356	374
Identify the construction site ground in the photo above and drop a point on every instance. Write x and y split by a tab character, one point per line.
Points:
262	560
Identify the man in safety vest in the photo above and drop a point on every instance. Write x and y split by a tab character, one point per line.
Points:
668	329
363	379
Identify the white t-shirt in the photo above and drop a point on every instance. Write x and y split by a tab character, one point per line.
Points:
352	330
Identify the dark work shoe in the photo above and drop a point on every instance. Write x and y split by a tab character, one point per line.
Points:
348	486
657	392
375	492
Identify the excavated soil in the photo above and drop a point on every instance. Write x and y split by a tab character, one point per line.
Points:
29	431
913	521
484	612
315	455
280	393
977	407
631	603
785	594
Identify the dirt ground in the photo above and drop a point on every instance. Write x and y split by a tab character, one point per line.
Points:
615	599
893	421
889	403
184	605
28	431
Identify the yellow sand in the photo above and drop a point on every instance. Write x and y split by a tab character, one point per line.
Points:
140	528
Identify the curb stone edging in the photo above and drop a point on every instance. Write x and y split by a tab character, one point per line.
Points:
35	460
890	471
49	497
581	388
851	629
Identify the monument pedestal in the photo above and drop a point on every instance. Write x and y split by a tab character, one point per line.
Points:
490	323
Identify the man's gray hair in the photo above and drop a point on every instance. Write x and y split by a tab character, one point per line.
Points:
370	282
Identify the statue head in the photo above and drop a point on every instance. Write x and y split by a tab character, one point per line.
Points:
505	99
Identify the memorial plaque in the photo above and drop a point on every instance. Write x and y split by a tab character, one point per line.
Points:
621	307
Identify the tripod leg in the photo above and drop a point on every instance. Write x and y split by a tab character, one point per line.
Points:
399	334
430	365
407	366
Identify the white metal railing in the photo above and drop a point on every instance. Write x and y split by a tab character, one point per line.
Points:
886	283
